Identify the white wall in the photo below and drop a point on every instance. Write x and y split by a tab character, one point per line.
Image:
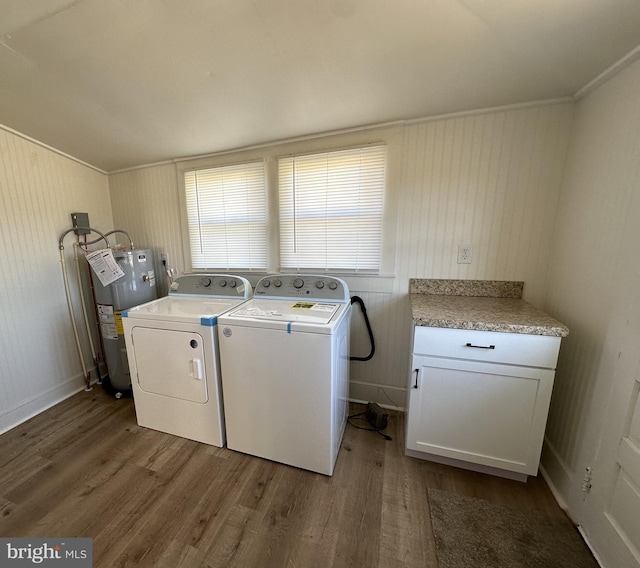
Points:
490	179
589	275
146	204
39	189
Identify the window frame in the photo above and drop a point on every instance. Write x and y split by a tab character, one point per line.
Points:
369	271
209	165
383	281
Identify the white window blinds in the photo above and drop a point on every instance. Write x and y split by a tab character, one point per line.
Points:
331	207
227	216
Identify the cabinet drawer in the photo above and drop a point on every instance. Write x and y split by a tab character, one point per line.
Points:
490	346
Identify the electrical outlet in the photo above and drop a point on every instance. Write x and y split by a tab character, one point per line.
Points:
465	254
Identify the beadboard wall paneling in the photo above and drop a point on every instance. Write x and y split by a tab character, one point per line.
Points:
591	270
146	204
39	189
491	180
383	378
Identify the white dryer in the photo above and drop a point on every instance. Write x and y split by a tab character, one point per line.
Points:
285	370
172	349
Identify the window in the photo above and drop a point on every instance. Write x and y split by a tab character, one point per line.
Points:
330	213
227	216
331	207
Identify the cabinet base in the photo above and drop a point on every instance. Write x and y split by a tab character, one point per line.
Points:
467	465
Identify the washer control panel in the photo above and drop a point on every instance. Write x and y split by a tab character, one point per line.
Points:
211	285
311	286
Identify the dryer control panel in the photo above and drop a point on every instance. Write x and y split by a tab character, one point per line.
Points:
309	286
211	285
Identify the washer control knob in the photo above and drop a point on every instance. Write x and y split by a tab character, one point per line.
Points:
333	285
206	282
319	284
233	283
266	283
223	283
298	283
277	283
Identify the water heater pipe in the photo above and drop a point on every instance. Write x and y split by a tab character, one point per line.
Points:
73	321
84	306
70	305
124	233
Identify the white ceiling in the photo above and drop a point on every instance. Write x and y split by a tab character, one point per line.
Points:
119	83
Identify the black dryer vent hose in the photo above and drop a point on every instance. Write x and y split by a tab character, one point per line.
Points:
359	301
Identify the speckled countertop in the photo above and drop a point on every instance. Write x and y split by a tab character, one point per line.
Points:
483	305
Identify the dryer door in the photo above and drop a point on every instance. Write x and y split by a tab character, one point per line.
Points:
170	363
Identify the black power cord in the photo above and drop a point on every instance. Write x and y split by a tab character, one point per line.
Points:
360	416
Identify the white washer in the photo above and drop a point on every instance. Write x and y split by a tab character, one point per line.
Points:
285	370
172	348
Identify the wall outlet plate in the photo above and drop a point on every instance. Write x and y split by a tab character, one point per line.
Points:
465	254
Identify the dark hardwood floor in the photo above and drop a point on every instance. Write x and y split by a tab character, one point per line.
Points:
84	468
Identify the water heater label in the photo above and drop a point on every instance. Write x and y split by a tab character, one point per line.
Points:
119	326
105	266
107	321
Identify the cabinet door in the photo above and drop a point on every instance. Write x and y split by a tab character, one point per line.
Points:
488	414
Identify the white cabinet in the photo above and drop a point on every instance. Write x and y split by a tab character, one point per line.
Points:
480	399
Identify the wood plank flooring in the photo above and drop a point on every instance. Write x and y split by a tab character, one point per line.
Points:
85	469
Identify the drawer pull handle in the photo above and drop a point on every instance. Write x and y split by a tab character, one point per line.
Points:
417	372
481	346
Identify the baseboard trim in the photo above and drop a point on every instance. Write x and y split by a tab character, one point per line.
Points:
385	395
15	416
558	476
586	540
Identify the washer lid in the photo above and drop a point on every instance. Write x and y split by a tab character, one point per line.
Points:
183	309
290	310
